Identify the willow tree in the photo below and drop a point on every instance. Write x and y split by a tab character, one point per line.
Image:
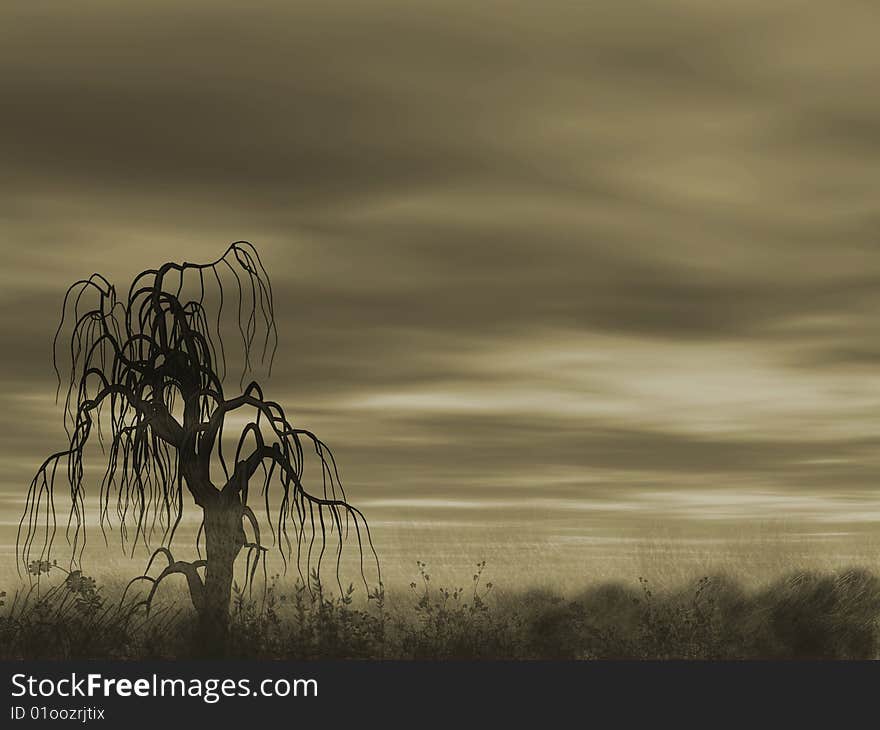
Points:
145	379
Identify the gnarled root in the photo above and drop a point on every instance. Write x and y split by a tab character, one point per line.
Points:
188	570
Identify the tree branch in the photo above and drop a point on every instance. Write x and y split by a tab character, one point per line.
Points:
164	425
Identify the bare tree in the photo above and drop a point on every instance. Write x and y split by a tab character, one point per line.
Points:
151	366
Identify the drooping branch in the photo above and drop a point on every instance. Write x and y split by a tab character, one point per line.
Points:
149	368
188	570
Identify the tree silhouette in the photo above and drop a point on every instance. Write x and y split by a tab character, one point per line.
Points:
151	367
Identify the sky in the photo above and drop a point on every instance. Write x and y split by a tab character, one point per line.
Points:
612	263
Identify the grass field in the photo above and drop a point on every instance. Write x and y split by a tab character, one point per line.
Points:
771	590
800	616
803	615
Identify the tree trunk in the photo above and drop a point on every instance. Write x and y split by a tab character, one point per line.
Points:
224	537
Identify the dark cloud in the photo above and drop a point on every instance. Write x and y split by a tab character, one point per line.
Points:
454	201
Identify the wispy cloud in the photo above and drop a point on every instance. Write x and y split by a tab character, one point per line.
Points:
569	253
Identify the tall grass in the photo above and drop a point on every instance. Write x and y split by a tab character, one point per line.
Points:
800	616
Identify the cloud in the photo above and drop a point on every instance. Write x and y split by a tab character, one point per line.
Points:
512	243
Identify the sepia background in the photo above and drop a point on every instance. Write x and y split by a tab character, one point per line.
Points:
582	289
